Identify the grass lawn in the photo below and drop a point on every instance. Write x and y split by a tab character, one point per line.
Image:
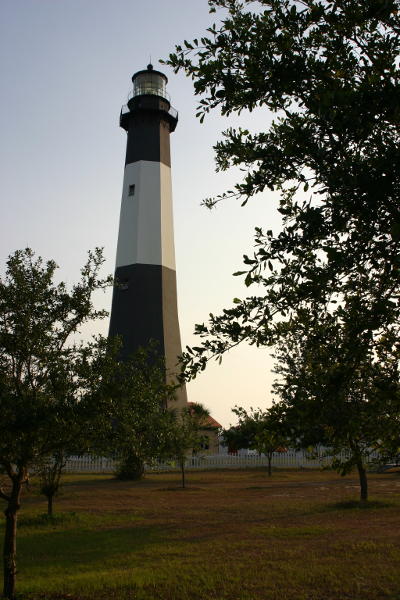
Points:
231	535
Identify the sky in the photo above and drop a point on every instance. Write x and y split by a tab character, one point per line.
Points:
66	68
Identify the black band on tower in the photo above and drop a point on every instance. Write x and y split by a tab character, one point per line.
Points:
148	123
136	312
149	292
148	139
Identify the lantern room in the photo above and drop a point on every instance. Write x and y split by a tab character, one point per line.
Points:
149	83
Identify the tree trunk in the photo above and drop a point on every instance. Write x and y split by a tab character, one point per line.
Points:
50	505
10	541
362	474
183	472
269	465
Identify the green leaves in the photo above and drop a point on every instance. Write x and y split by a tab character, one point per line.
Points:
324	65
44	372
328	75
257	429
185	431
133	395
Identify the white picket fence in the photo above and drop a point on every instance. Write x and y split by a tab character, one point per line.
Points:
290	459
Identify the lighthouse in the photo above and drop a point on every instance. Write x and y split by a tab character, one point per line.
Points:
144	304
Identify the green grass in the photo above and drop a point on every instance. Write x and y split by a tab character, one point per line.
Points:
230	536
38	522
291	532
70	558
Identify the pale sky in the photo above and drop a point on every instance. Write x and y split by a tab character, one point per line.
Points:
66	68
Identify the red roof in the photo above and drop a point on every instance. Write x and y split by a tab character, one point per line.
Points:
208	421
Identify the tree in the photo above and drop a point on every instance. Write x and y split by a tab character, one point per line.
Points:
49	473
346	399
186	433
59	395
133	397
259	430
44	375
329	70
239	436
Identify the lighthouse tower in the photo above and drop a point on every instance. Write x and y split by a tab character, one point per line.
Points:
144	305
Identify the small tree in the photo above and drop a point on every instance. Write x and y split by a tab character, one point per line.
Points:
45	376
268	442
339	390
133	398
185	433
49	473
259	430
242	435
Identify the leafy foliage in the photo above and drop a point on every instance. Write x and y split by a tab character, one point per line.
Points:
185	433
60	396
257	430
133	397
49	472
45	393
329	71
341	392
41	369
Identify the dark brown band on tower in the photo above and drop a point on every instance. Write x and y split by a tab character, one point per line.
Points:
136	312
144	309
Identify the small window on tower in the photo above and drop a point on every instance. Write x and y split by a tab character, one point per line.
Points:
131	191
